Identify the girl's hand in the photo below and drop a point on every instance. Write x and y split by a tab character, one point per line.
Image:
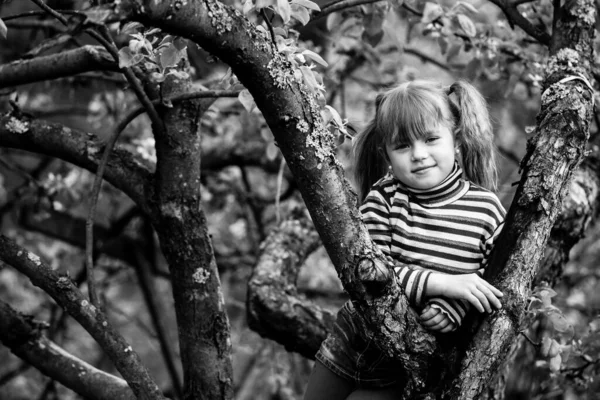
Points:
469	287
434	319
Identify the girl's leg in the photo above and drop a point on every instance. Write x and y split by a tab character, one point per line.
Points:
391	393
325	385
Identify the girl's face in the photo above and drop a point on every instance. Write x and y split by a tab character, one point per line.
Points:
425	162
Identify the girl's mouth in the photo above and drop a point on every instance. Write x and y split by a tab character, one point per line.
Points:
422	169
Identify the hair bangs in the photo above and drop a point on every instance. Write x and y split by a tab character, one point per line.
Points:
410	112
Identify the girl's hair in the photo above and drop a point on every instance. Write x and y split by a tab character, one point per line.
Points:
411	110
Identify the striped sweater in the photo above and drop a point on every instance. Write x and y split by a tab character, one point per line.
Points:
450	229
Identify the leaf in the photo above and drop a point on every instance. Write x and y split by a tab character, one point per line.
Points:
466	25
372	38
466	6
284	10
247	100
264	3
314	57
3	29
431	12
247	6
555	363
97	15
309	79
169	57
559	322
131	27
337	120
300	13
152	31
127	58
308	4
272	151
333	20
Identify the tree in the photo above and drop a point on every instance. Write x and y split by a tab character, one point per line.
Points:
290	96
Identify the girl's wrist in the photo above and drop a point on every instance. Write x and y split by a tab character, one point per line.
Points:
435	286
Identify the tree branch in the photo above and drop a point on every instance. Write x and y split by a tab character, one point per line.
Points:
93	320
556	150
23	337
71	62
275	310
514	17
123	170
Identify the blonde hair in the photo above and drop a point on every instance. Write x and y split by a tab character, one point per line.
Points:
411	110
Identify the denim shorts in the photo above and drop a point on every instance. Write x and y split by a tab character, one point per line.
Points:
348	354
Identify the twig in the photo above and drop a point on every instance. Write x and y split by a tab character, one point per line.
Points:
529	339
340	5
41	13
263	13
13	373
252	204
52	12
278	194
146	282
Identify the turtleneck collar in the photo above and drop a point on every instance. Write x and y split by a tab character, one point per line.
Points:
448	191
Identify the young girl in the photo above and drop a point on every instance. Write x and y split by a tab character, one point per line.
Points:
438	227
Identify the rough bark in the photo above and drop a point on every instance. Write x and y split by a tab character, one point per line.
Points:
93	320
68	63
24	338
275	310
179	220
553	153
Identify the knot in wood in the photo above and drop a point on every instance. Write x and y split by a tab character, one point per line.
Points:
374	274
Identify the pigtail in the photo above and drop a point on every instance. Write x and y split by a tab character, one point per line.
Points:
369	161
474	135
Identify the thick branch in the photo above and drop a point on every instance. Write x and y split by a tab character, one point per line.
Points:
23	337
275	310
554	152
56	140
93	320
68	63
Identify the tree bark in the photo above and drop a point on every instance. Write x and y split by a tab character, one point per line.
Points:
68	63
553	153
179	220
24	337
275	310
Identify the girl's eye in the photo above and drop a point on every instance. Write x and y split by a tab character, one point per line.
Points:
432	139
402	146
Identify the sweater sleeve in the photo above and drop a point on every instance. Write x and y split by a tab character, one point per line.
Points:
376	216
456	309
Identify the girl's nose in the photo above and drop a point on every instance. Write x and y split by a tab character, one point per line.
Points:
419	152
